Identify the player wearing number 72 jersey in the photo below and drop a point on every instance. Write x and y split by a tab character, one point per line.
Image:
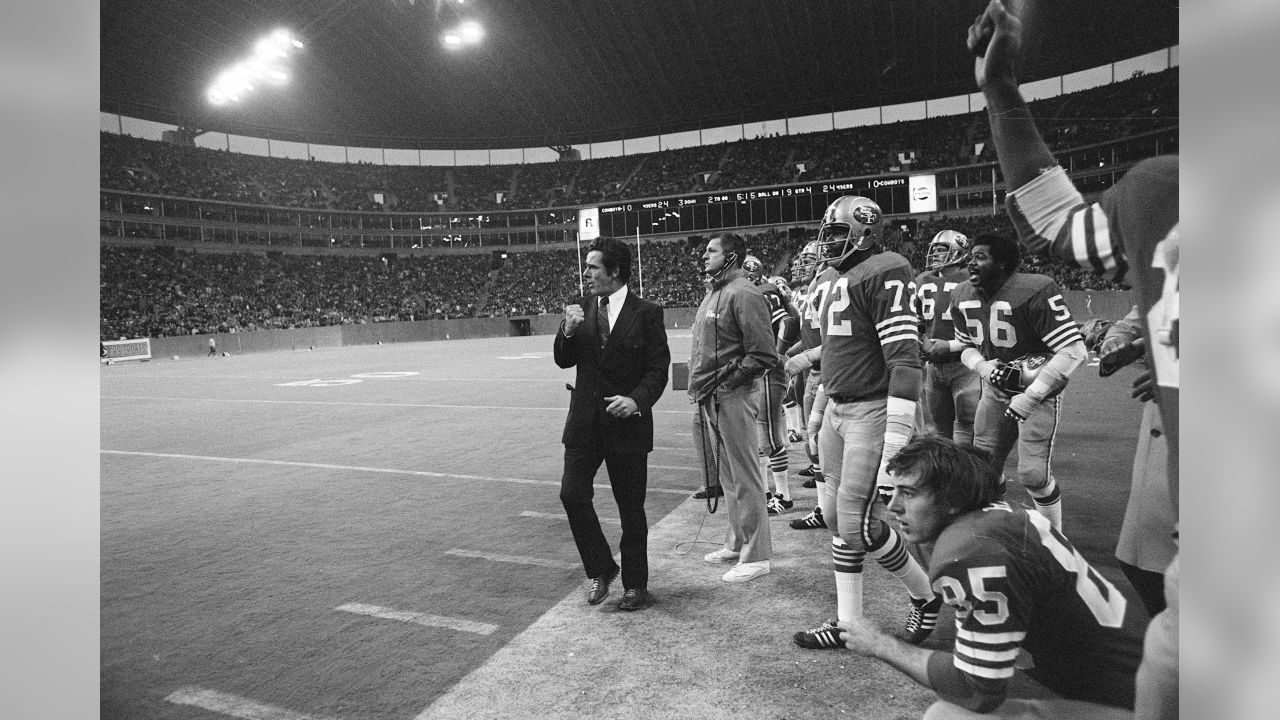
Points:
870	355
1000	315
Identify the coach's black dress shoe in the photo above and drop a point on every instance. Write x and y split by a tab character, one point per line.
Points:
634	599
600	587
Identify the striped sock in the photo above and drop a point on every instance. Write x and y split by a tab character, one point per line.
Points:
891	552
1048	501
848	572
778	467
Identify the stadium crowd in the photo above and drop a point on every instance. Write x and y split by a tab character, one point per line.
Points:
1134	106
164	291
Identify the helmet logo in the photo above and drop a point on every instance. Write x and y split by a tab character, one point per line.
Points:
866	215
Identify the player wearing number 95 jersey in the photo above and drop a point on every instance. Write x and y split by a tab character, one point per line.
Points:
1015	584
1000	315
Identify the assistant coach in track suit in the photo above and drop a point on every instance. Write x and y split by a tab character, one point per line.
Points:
619	344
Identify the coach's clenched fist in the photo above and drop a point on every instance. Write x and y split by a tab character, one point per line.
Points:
573	316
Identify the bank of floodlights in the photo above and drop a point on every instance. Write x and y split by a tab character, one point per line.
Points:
468	33
267	66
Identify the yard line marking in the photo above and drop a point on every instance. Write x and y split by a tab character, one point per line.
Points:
670	467
359	468
458	624
562	516
357	404
672	449
518	559
233	705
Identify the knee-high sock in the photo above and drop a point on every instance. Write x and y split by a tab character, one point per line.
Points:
848	572
794	411
778	468
1048	501
889	549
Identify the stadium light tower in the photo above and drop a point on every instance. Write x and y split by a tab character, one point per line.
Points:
265	65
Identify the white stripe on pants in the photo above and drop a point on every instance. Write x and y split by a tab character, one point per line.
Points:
732	416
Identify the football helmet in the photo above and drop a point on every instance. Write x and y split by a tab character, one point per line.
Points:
754	269
850	224
1017	375
947	248
806	262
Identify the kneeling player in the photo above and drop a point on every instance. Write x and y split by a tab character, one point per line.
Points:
1015	584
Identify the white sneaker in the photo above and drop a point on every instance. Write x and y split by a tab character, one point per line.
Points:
723	555
743	572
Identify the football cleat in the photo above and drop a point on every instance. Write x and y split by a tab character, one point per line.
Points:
776	505
824	637
812	521
850	224
811	471
1017	375
922	620
809	482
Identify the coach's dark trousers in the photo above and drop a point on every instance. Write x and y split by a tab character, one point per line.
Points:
628	475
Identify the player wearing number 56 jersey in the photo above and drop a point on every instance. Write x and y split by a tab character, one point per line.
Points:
949	392
1015	584
1000	315
870	356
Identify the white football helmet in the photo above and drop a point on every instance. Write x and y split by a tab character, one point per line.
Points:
850	224
947	248
805	264
781	283
754	269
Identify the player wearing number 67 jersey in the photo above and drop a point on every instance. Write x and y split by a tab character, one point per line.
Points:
949	393
1000	315
1015	584
870	356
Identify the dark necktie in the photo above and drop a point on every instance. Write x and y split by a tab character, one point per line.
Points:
602	320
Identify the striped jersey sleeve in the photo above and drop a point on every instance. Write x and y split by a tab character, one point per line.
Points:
896	324
1049	315
1049	213
984	582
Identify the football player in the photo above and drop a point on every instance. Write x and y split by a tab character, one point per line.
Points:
804	274
772	423
1001	315
1016	585
949	393
1133	227
870	356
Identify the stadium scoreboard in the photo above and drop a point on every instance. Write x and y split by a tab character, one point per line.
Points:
799	203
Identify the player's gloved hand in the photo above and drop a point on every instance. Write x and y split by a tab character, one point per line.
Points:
1144	386
986	368
1000	375
1021	407
798	364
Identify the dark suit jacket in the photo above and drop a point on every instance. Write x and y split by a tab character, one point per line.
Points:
634	364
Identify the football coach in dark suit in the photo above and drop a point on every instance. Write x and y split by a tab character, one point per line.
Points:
619	344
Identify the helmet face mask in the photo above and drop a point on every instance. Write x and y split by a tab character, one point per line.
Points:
852	223
805	266
947	248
